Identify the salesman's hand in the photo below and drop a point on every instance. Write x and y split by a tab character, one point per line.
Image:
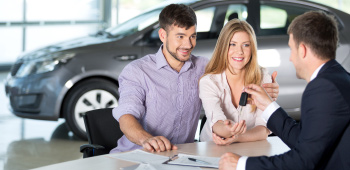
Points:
259	95
272	88
228	161
158	144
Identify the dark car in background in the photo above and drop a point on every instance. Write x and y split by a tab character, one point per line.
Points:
67	79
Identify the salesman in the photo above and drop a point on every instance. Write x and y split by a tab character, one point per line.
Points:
322	138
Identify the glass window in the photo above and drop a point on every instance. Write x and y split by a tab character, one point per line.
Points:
236	11
44	10
275	17
204	19
11	10
10	43
135	24
271	17
42	36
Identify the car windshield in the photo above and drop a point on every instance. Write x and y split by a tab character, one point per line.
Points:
141	21
135	24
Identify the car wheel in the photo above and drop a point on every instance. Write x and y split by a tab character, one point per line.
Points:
88	95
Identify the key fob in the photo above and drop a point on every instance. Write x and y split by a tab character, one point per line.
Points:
243	99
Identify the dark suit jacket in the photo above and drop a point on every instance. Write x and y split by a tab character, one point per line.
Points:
322	138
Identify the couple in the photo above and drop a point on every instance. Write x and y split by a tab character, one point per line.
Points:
159	103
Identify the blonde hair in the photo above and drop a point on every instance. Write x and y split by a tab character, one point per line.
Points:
219	61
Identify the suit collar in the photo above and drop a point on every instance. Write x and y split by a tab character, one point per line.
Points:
327	65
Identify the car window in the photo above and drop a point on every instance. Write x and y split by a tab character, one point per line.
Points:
271	17
236	11
135	24
204	19
275	17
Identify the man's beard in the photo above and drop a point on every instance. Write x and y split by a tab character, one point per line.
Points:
174	54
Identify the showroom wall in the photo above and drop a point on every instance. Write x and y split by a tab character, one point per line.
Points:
26	25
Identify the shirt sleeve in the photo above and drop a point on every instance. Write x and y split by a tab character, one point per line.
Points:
132	94
242	161
265	79
209	94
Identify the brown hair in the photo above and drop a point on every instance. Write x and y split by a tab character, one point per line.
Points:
317	30
178	14
219	62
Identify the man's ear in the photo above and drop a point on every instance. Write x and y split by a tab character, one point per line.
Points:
162	35
302	50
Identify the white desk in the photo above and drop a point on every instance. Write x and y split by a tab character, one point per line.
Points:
269	147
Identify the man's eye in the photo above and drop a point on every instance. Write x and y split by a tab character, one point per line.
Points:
193	36
180	36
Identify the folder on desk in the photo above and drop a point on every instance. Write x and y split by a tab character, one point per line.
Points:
187	160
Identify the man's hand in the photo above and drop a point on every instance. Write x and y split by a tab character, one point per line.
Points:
272	88
259	96
158	144
228	161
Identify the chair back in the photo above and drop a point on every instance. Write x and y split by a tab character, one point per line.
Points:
102	129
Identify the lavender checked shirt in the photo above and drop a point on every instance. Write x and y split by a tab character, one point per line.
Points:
164	101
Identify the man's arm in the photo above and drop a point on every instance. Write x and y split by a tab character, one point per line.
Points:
136	134
132	108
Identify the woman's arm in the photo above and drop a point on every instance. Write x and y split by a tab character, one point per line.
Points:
254	134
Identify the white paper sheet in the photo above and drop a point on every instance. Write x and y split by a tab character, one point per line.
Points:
182	159
140	156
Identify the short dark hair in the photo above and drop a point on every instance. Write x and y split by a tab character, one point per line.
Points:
318	30
178	14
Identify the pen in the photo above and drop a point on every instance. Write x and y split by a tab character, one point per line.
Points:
199	161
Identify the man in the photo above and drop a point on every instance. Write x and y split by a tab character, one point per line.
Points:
159	104
321	139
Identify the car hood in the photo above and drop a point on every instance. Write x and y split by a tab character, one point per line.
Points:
48	51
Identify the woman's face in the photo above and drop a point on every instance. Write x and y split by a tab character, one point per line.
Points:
239	52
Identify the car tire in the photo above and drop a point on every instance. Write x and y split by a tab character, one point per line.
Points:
88	95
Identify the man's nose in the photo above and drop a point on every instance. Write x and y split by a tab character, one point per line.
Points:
187	44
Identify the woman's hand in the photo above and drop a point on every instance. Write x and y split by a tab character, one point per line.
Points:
235	128
223	141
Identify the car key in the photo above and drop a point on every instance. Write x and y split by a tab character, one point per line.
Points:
242	102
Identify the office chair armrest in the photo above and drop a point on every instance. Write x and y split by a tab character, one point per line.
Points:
88	150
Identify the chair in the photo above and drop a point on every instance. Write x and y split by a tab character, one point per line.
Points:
102	132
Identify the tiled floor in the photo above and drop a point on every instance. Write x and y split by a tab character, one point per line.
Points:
27	144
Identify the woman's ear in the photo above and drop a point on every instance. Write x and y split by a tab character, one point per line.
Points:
162	35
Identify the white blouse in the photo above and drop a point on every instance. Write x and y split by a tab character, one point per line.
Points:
215	94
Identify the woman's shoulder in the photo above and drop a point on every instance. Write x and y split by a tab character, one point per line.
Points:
213	79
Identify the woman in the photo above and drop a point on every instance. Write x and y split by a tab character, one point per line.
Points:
234	64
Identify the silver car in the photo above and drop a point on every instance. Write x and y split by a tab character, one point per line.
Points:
67	79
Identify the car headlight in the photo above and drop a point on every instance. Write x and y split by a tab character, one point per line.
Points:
42	66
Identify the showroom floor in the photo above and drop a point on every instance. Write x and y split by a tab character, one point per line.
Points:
27	144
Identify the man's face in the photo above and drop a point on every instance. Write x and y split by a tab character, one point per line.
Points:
294	56
180	42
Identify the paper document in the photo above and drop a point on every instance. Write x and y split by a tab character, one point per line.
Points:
140	156
201	161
